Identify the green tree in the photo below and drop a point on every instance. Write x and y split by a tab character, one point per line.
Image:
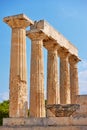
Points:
4	110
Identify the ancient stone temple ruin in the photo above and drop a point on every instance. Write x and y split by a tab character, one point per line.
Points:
65	108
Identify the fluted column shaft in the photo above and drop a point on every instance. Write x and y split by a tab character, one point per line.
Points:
18	106
64	78
52	78
74	86
18	75
37	101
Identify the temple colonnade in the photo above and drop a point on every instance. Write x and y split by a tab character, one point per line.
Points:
60	90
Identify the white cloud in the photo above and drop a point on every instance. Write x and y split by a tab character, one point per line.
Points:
83	77
4	96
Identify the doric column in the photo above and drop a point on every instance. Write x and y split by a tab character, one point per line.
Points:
37	101
18	70
74	86
52	79
64	77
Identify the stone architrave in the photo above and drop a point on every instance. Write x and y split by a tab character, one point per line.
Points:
18	69
64	76
37	101
74	86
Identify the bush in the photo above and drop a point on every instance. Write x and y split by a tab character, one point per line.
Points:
4	110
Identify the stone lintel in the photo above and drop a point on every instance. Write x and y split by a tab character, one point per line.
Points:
51	33
18	21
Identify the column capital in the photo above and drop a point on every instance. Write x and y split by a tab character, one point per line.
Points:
63	52
74	59
18	21
35	35
52	46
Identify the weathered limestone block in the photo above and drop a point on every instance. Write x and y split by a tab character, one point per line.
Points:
64	77
59	110
45	122
18	68
45	128
74	85
82	112
37	102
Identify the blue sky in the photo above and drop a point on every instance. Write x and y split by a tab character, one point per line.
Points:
69	17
